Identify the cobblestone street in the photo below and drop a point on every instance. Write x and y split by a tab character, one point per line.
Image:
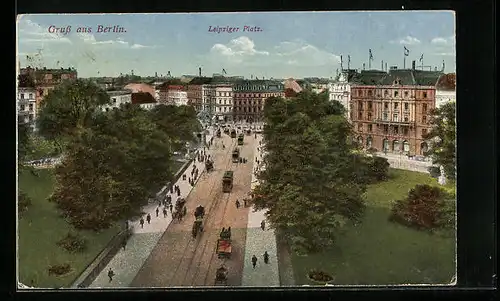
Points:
178	259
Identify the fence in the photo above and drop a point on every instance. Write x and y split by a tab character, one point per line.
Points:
102	259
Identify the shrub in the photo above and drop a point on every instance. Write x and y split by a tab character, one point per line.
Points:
23	202
372	150
59	269
73	243
426	207
434	171
379	168
319	276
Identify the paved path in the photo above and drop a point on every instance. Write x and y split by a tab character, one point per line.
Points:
128	262
258	242
402	162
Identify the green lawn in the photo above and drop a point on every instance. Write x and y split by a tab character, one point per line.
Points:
381	252
39	230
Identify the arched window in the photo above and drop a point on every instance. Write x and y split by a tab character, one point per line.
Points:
369	142
423	148
406	146
395	146
385	144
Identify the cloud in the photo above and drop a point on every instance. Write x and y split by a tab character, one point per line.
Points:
443	41
444	46
408	40
242	50
31	32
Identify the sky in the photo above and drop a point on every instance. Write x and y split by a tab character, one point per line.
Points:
269	45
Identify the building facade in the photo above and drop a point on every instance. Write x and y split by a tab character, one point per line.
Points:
221	101
176	95
27	106
199	94
250	95
341	91
392	118
446	89
117	99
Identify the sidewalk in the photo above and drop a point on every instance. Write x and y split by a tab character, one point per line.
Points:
257	242
127	263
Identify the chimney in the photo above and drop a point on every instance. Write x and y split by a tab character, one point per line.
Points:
385	67
199	71
156	74
413	65
363	66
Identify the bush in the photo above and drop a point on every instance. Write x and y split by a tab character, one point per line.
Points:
379	168
73	243
23	202
319	276
426	207
372	150
59	269
434	171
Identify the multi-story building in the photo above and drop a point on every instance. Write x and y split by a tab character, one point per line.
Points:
446	89
117	99
221	101
47	79
198	94
144	99
340	90
26	106
177	95
250	95
392	113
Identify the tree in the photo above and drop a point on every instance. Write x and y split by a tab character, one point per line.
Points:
308	186
442	138
69	108
110	169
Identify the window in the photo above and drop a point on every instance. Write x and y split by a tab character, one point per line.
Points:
370	128
370	105
22	95
424	107
395	117
424	132
114	100
406	118
31	117
220	101
386	105
369	92
369	116
31	95
31	107
23	107
386	93
424	119
396	130
360	105
360	115
396	105
405	131
406	93
406	106
425	94
385	116
396	93
386	128
360	127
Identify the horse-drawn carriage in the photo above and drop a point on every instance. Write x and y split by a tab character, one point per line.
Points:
249	132
180	209
240	139
224	244
209	165
236	155
221	276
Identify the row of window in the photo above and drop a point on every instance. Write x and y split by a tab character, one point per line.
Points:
395	93
23	107
396	106
30	96
394	130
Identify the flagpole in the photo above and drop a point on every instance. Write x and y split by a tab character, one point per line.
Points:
404	60
370	60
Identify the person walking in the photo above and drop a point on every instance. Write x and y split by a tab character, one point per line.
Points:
157	210
148	218
171	207
164	212
266	257
263	225
237	204
110	274
178	192
254	261
245	202
142	223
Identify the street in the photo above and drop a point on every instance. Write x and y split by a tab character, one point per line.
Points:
180	260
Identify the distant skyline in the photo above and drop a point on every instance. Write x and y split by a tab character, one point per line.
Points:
279	45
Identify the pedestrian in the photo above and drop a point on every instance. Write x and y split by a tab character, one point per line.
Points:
171	189
148	218
263	225
245	202
237	204
266	257
142	222
169	199
124	243
157	210
159	203
171	207
111	274
184	177
254	261
164	212
179	192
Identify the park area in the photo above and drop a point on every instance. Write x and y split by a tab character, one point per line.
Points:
41	227
380	252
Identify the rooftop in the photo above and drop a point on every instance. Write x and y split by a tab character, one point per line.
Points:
142	97
119	92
